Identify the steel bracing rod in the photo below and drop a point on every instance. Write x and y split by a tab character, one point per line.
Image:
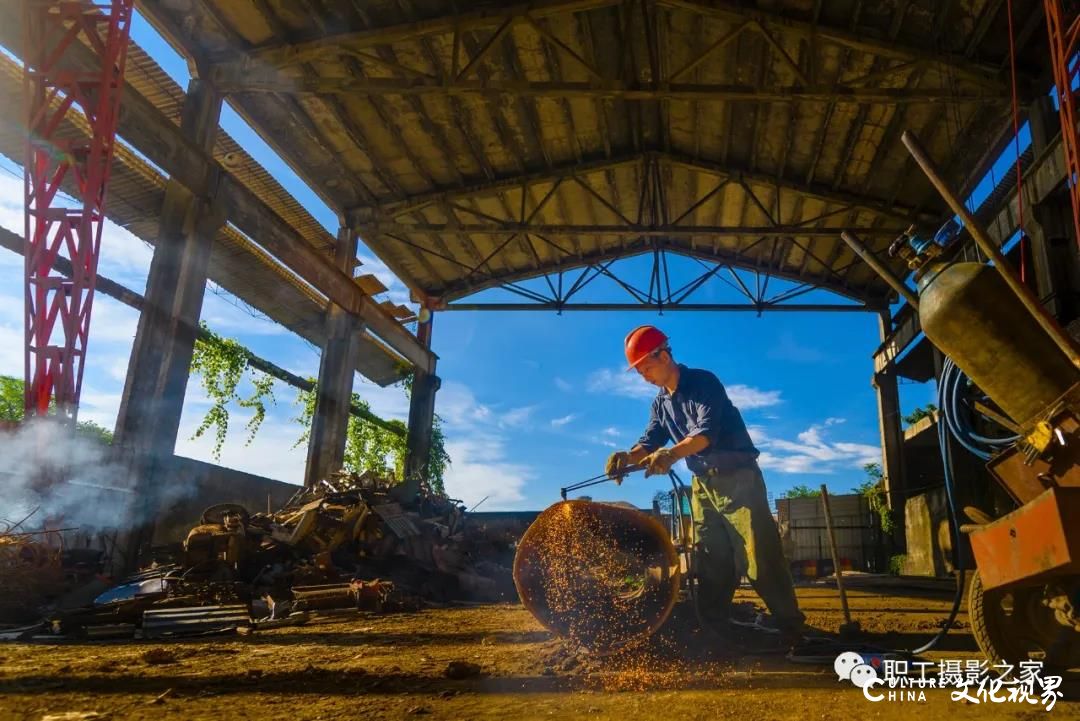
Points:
694	285
526	293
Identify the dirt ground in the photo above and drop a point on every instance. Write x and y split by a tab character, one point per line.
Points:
398	666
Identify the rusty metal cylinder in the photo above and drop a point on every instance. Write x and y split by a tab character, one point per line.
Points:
970	313
601	574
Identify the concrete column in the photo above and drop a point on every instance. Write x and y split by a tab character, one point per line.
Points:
326	446
157	376
421	419
892	433
1048	225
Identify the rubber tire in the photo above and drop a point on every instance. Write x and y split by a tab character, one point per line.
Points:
989	631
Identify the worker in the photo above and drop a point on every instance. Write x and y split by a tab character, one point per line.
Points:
735	534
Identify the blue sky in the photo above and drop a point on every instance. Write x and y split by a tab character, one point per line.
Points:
531	401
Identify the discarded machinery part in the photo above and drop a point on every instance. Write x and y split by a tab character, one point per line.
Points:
887	275
305	524
110	630
335	595
128	591
1032	304
218	512
1018	624
358	527
395	518
601	574
194	620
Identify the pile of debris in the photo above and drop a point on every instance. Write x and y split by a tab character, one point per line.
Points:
345	544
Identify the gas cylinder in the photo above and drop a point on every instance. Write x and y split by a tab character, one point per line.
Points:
970	313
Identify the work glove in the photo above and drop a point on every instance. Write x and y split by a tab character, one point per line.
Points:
659	462
615	463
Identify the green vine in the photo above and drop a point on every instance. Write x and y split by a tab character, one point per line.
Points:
873	489
371	447
221	364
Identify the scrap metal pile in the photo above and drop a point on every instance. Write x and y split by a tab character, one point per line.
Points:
344	544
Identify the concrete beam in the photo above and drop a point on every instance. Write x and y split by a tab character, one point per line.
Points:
149	131
333	393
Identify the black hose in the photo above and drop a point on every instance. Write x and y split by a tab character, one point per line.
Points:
954	517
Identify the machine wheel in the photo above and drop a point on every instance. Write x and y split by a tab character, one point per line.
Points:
216	514
1013	625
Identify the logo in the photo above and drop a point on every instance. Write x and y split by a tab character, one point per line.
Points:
890	677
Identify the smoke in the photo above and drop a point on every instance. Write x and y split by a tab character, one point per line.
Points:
72	480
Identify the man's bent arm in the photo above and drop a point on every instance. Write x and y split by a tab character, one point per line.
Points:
689	446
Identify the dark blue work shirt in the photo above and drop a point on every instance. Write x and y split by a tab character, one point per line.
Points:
700	406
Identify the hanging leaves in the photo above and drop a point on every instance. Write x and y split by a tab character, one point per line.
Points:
221	364
372	447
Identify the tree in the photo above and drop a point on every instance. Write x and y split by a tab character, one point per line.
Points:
664	501
801	491
12	409
873	489
919	413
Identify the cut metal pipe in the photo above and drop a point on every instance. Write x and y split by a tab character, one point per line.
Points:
880	268
982	238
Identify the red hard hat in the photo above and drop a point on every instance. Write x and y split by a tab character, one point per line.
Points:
642	341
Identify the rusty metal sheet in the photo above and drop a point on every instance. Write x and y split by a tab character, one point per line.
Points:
1039	540
394	517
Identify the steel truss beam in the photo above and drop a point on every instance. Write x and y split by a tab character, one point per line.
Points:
654	307
501	20
57	309
578	171
239	79
659	295
632	230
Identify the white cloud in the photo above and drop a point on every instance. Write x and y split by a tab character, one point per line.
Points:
632	385
480	469
612	432
516	417
391	402
123	256
271	453
560	422
563	385
811	452
746	397
620	383
834	421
